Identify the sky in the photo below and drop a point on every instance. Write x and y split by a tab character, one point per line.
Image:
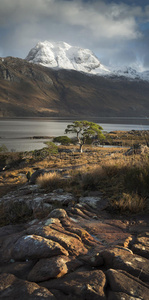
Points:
116	31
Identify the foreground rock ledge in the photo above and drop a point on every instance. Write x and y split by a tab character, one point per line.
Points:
79	252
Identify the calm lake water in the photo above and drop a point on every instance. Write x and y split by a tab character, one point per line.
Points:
16	133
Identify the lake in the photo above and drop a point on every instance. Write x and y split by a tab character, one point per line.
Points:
16	134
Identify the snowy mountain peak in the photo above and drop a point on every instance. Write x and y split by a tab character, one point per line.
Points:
61	55
64	56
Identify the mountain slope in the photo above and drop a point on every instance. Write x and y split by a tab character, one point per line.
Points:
28	90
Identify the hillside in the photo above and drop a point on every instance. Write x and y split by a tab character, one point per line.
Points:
31	90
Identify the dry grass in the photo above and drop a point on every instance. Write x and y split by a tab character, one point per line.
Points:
132	203
50	181
122	179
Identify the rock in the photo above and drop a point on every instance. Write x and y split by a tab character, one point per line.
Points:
58	213
35	247
137	149
53	267
36	174
48	268
10	229
94	202
122	282
121	296
61	199
51	221
85	284
19	269
7	246
123	259
13	288
141	246
72	244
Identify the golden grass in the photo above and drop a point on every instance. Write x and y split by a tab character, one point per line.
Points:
50	181
132	203
122	179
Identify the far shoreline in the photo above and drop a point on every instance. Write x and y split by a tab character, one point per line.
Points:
105	120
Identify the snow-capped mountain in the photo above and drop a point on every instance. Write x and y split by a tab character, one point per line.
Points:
60	55
64	56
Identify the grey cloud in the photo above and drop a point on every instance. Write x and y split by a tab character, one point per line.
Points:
98	25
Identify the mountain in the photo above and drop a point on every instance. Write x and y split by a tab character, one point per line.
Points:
60	55
33	90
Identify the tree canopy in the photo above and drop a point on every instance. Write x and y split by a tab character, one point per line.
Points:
84	131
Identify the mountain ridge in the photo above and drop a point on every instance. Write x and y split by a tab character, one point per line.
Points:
61	55
32	90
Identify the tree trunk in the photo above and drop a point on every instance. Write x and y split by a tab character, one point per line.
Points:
81	148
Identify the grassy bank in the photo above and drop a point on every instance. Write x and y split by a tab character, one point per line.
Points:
122	179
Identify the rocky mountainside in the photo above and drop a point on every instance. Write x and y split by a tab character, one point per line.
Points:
33	90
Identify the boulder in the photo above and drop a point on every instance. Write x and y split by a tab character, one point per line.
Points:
94	202
7	246
35	247
85	284
122	282
72	244
124	259
121	296
141	246
19	269
58	213
13	288
53	267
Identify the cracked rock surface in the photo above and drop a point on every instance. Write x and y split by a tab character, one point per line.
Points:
72	249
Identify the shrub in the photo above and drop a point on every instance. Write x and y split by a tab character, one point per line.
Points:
3	148
50	181
63	140
15	212
52	148
132	203
124	182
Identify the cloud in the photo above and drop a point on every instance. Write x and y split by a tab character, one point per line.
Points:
98	25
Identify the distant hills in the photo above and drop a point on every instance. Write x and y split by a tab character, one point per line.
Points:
33	90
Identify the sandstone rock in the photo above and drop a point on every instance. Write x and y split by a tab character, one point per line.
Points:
48	268
78	213
73	245
123	259
10	229
141	246
121	296
54	267
34	247
51	221
60	199
85	284
13	288
58	213
19	269
122	282
7	246
94	202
